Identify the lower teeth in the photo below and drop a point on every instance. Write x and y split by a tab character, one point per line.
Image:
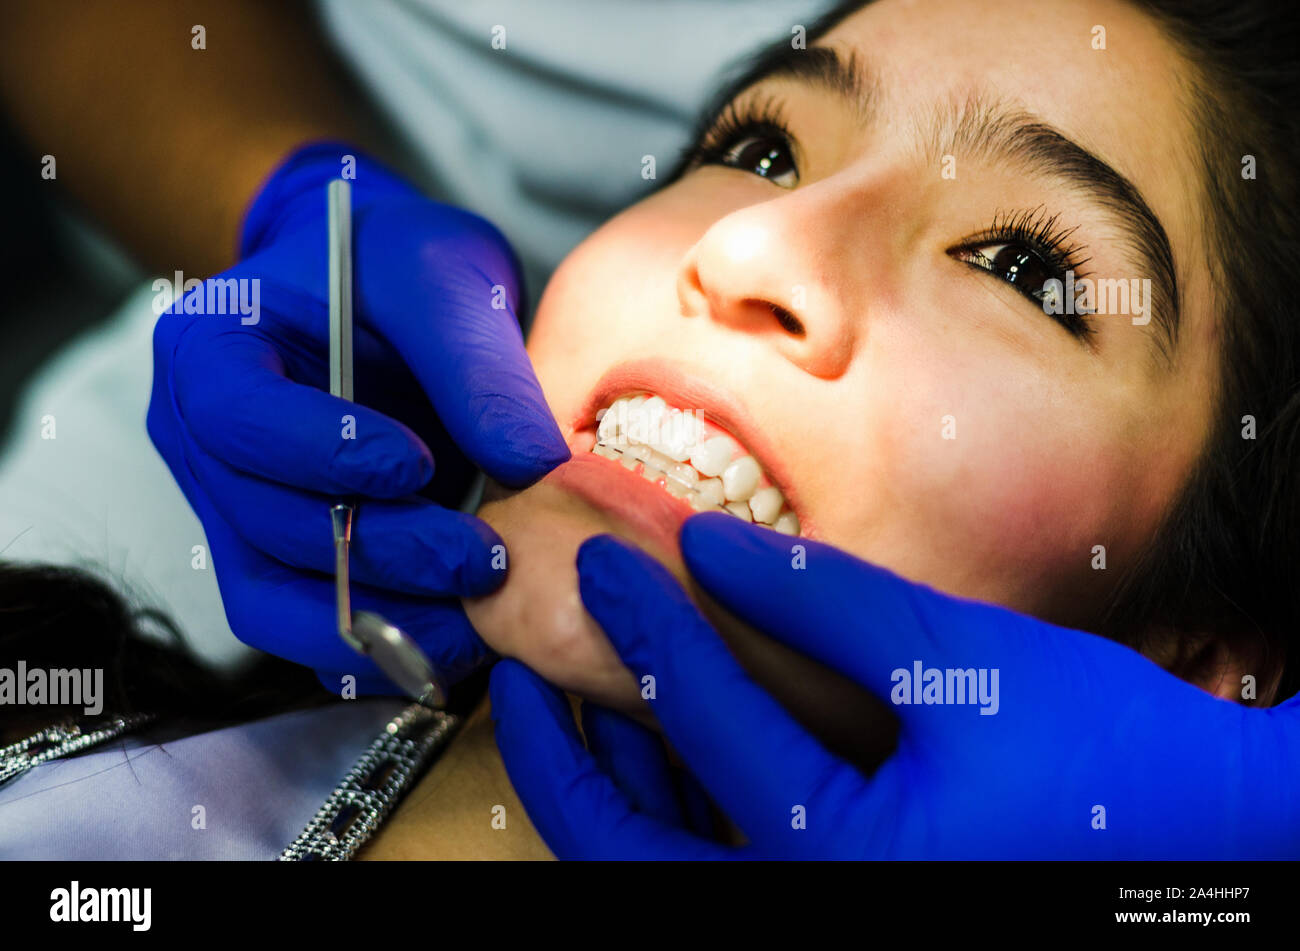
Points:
683	482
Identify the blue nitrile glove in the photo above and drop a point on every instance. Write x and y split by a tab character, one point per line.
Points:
242	415
1083	724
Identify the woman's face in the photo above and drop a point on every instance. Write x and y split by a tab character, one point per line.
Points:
851	298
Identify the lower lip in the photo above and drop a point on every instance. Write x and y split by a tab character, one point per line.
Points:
642	506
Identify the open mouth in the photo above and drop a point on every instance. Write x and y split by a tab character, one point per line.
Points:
690	459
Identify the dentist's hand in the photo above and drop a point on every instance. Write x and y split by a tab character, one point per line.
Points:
1093	751
242	415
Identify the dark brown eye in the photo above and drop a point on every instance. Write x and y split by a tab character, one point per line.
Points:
1022	268
764	154
1031	275
1029	251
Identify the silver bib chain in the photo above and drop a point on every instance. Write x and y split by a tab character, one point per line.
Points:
398	757
62	739
375	784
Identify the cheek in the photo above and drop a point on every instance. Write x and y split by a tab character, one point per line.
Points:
614	297
1003	493
1031	503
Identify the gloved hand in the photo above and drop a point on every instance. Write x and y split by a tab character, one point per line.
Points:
1082	725
242	415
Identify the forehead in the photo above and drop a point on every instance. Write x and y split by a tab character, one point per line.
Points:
1102	72
1100	66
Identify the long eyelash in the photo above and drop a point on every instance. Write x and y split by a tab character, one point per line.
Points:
753	116
1040	232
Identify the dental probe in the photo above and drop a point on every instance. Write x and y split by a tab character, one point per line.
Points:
392	650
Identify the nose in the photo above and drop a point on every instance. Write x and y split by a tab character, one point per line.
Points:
775	270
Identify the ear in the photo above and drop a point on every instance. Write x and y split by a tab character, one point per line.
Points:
1237	669
1236	673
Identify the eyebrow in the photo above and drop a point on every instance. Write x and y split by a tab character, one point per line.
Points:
995	132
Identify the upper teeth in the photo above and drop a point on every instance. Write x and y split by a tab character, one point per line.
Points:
671	446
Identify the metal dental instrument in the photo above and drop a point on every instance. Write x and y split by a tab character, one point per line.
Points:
392	650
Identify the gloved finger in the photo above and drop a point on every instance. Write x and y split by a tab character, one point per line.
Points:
635	759
578	810
233	398
293	614
759	765
848	614
697	808
456	326
382	384
414	545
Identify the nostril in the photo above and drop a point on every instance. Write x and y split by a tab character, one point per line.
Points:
788	321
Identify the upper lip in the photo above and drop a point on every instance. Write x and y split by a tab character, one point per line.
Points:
687	391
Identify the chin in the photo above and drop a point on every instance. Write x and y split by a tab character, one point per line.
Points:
537	615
